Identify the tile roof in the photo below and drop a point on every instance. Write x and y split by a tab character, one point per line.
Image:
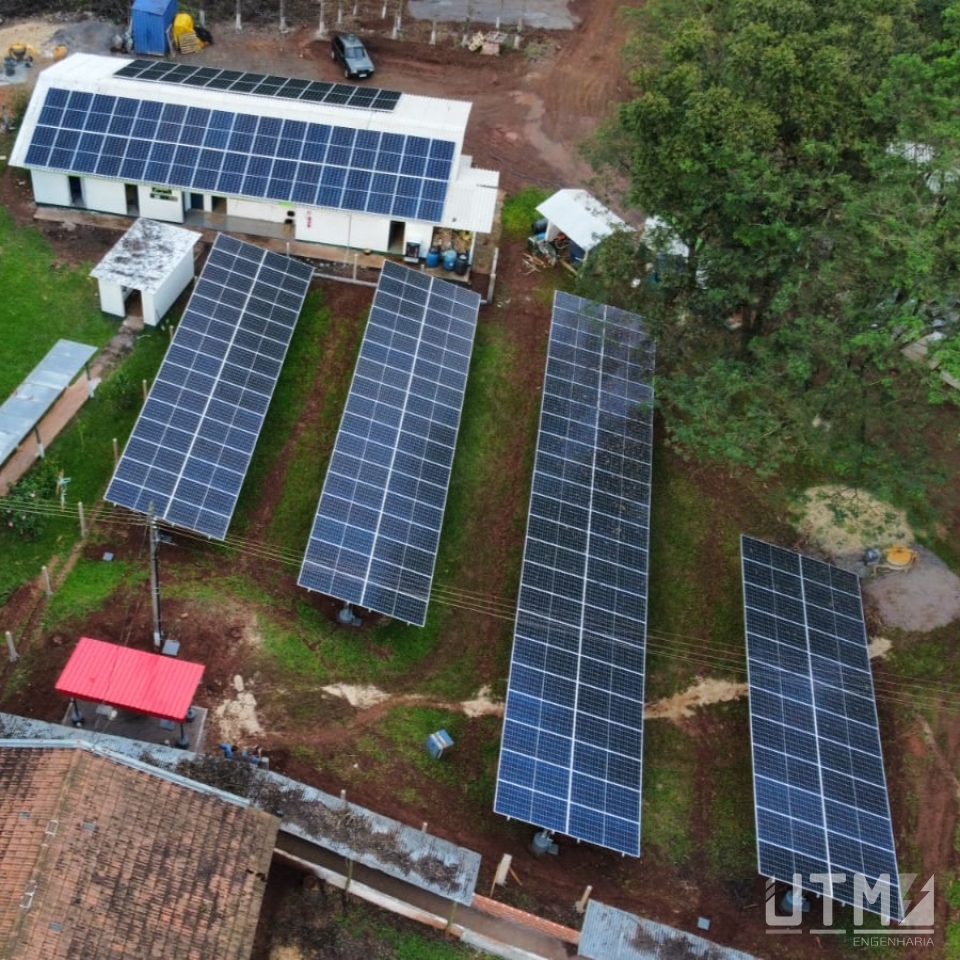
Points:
103	858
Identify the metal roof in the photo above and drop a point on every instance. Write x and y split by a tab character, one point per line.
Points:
612	934
583	218
472	199
130	679
21	412
145	255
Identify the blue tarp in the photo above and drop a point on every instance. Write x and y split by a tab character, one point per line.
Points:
150	21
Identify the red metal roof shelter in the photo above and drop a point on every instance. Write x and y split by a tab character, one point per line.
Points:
133	680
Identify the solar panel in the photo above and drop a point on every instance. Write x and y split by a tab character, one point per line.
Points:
570	758
375	535
245	155
262	85
192	443
819	783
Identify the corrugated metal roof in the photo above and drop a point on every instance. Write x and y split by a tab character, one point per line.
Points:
354	832
129	679
22	410
583	218
471	199
612	934
144	256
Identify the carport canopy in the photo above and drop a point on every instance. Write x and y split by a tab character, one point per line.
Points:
132	680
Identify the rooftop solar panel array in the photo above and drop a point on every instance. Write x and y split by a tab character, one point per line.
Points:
375	536
261	85
570	759
241	154
192	443
820	790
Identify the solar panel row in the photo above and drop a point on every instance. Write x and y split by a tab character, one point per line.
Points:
238	154
375	536
262	85
192	443
570	758
820	789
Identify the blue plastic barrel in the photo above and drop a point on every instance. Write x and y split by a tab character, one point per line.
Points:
449	259
433	257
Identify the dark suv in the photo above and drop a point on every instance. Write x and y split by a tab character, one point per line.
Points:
348	48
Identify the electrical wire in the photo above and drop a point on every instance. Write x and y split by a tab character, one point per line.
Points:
699	651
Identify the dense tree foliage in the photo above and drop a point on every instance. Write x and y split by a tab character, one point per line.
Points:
806	153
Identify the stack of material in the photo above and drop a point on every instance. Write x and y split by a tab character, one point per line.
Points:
188	42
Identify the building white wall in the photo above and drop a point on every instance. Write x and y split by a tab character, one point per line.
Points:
340	228
112	299
155	305
369	233
107	196
258	210
323	226
160	203
51	188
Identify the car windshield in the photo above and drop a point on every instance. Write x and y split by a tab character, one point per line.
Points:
357	52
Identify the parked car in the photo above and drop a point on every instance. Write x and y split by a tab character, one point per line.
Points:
348	48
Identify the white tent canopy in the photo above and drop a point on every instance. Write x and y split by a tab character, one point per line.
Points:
580	216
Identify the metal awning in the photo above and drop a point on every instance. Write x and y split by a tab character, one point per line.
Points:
36	395
133	680
583	218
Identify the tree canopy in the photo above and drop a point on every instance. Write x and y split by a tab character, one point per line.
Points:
806	152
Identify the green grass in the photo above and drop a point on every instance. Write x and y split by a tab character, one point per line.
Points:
700	547
31	288
520	212
84	451
305	457
87	588
731	845
403	944
670	777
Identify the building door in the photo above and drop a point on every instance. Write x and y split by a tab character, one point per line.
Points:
76	192
395	241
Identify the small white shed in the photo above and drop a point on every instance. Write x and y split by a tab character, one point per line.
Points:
152	259
581	217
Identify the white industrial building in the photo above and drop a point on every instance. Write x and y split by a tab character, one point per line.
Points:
336	164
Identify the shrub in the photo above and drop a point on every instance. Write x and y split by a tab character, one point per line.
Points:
23	508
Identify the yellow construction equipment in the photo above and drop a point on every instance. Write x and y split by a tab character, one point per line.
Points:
185	38
22	52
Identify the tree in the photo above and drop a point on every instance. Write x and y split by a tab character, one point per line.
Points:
771	136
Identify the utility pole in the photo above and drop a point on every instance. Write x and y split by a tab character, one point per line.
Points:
155	579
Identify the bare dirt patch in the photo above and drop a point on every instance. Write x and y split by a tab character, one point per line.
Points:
844	521
703	693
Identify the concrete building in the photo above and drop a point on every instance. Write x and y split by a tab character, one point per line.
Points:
154	260
330	163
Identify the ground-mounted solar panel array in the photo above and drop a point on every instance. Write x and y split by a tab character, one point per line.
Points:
192	443
242	154
570	759
262	85
375	535
820	789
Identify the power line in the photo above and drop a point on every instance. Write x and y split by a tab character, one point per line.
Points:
700	651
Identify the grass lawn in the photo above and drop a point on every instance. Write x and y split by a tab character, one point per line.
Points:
65	300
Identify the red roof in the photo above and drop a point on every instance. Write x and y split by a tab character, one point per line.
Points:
132	680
